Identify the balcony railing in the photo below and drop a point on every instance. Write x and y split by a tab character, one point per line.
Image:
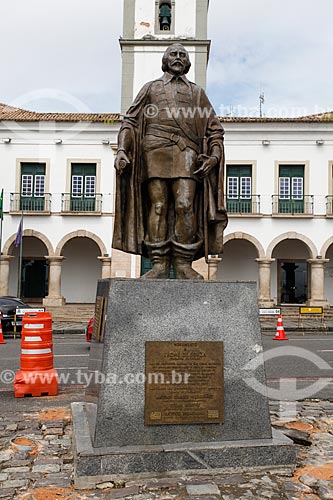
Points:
249	205
19	203
292	207
70	203
329	205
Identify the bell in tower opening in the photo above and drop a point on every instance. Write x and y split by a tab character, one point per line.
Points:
165	15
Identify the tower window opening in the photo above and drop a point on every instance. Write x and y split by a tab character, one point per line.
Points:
165	15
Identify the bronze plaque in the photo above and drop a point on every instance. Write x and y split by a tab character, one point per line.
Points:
99	317
184	383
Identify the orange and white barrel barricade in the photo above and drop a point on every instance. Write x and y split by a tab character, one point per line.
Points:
37	376
2	340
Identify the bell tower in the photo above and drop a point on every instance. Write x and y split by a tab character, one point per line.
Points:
149	27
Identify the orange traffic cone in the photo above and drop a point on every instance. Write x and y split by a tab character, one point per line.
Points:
1	335
280	335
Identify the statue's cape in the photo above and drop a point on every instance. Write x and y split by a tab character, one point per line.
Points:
131	206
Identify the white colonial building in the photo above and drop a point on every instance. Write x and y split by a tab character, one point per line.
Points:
279	198
57	170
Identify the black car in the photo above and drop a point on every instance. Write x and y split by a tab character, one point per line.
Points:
8	307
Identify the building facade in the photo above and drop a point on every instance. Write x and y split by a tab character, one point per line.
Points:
56	171
280	208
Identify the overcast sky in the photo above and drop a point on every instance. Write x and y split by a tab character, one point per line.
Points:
64	55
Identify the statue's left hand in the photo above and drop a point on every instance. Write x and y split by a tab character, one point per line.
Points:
208	163
121	162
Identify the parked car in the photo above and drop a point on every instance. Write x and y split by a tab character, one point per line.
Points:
8	306
89	329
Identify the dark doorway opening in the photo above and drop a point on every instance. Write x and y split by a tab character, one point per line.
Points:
292	282
34	285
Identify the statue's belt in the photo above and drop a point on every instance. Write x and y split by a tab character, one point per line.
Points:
174	137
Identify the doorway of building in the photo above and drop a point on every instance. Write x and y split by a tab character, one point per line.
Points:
34	279
292	281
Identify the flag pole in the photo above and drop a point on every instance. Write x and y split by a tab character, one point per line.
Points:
20	262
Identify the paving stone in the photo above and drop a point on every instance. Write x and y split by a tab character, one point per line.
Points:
265	494
67	467
58	431
203	489
20	463
52	424
51	437
145	496
308	480
158	483
20	455
267	480
123	492
16	469
5	434
55	481
104	486
31	476
15	483
32	435
7	493
6	455
204	497
326	484
48	460
322	437
68	459
46	468
299	437
325	493
65	442
11	427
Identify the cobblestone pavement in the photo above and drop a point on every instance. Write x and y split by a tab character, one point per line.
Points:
46	471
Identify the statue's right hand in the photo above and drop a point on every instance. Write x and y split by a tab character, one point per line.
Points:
121	162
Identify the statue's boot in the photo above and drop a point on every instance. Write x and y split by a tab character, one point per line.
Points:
182	258
159	254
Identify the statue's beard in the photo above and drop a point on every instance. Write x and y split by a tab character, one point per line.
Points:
177	68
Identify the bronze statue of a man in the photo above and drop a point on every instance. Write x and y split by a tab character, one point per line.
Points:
170	166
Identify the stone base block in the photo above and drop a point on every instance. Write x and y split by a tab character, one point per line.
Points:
111	437
97	465
54	301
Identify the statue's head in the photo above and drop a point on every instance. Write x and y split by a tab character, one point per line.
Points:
176	60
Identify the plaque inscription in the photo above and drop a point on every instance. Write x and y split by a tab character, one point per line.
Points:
184	383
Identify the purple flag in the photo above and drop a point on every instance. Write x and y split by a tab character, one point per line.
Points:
18	238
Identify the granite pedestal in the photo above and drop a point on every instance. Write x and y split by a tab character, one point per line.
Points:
111	439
